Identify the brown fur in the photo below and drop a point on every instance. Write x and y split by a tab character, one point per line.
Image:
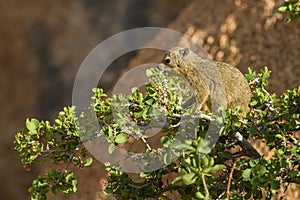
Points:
212	81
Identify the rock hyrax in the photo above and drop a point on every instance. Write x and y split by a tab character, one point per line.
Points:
215	83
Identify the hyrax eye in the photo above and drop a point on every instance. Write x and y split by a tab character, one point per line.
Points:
167	60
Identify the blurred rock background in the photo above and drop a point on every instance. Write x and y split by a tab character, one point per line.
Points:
42	44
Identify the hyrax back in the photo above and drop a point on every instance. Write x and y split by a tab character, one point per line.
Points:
215	83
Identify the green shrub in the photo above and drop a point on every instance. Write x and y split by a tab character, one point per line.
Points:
189	167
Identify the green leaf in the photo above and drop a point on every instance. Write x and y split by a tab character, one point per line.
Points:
150	101
53	172
279	136
32	125
255	181
138	114
111	148
176	180
203	147
218	167
145	113
211	161
56	189
182	171
199	195
205	161
88	162
254	102
167	158
189	178
165	141
144	174
246	174
266	73
134	89
282	9
179	145
69	176
293	173
121	138
262	179
74	184
149	72
275	185
262	170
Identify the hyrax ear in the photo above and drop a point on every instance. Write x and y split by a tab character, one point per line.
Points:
184	52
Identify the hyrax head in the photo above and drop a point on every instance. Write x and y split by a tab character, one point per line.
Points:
176	57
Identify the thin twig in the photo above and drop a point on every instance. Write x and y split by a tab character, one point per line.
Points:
145	142
47	152
199	115
221	195
138	186
229	181
204	184
69	161
204	116
268	104
256	80
297	125
243	122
